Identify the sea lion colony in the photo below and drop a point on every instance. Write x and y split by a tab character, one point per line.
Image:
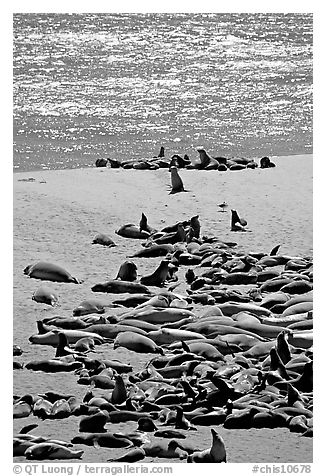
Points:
234	349
204	162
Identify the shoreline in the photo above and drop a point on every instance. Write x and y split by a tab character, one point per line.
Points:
272	157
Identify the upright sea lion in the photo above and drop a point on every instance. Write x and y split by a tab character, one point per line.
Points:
143	225
127	271
176	182
159	276
49	272
237	223
215	454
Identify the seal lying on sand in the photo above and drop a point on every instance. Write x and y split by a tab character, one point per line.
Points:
215	454
49	272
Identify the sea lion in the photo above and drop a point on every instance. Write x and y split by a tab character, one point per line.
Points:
176	182
49	272
164	449
104	240
90	306
118	286
127	271
94	423
114	163
17	350
137	343
52	337
154	250
132	456
45	295
237	223
99	439
101	162
143	225
132	231
23	407
51	451
215	454
53	365
159	276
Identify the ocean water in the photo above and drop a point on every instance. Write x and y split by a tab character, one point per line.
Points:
121	85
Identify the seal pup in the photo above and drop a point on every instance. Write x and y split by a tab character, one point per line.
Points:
45	295
215	454
104	240
127	271
176	182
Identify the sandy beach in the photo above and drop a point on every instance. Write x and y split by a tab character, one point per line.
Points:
56	217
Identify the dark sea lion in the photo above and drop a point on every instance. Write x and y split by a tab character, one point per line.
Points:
119	394
146	424
53	365
49	272
127	271
132	231
154	250
24	406
17	350
297	287
206	160
118	286
114	163
121	416
143	225
169	434
265	163
45	295
101	162
94	423
158	277
176	182
102	239
237	223
215	454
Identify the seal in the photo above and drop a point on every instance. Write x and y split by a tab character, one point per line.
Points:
45	295
132	231
215	454
143	225
89	306
104	240
164	449
98	440
49	272
158	277
237	223
132	456
137	343
127	271
154	251
94	423
176	182
118	286
41	451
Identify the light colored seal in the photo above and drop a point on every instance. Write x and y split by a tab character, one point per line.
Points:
41	451
104	240
49	272
45	295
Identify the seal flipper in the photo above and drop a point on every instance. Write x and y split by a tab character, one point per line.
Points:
185	347
96	443
274	250
27	429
